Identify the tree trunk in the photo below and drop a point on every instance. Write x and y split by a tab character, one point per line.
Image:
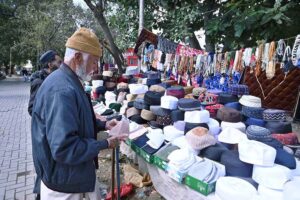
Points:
209	41
117	54
194	43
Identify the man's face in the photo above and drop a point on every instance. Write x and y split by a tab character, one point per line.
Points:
85	66
55	63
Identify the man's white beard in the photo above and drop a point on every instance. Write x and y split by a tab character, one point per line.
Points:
81	72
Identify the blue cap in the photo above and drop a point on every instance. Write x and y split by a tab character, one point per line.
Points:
48	56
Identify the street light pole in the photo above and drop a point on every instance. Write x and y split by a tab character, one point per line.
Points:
10	61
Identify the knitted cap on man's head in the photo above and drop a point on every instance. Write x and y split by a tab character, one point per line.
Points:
85	40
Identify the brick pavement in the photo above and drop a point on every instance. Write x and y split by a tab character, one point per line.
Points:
16	166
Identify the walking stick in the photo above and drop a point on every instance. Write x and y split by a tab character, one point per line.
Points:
113	174
118	173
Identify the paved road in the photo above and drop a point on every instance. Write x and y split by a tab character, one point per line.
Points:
16	166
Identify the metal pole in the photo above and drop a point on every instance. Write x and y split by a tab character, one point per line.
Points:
113	174
10	61
141	15
118	173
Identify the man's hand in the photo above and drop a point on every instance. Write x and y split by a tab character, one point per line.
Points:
110	124
114	141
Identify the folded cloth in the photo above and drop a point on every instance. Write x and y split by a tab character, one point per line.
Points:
238	89
254	121
189	104
189	126
214	91
147	115
234	166
279	126
196	116
213	109
286	139
235	105
229	115
253	112
152	98
169	102
181	160
258	133
157	110
250	101
154	81
175	91
121	128
274	115
199	138
224	98
177	115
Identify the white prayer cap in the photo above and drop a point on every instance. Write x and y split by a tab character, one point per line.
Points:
254	152
196	116
170	133
169	102
291	190
214	126
272	177
238	125
138	88
266	193
232	188
231	136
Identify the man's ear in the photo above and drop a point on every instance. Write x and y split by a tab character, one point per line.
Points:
78	58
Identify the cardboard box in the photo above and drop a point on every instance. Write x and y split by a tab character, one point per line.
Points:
160	163
200	186
147	157
203	187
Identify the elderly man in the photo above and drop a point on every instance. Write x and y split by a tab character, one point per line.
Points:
50	61
64	126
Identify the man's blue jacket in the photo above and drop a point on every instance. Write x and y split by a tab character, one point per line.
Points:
63	134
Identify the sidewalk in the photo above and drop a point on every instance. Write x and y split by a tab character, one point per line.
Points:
16	166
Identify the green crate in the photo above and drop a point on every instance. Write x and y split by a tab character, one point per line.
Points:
200	186
135	148
147	157
128	142
160	163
